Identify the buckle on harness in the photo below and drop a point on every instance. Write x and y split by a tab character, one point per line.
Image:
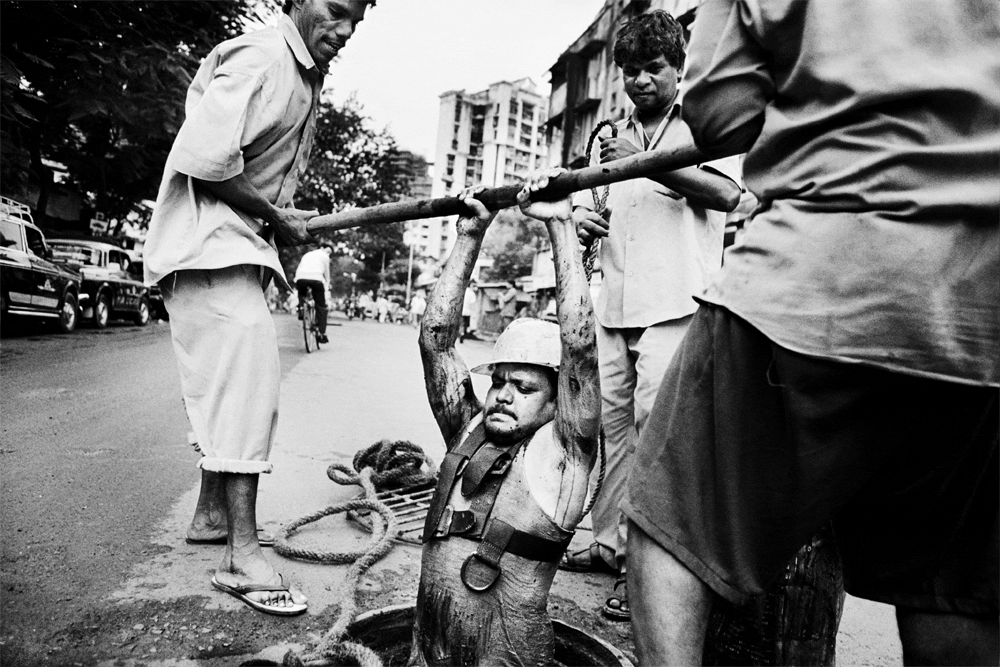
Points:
444	526
455	522
478	574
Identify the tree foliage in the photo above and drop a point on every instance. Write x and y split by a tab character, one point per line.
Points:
100	86
353	166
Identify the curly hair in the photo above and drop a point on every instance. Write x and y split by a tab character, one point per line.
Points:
648	36
286	7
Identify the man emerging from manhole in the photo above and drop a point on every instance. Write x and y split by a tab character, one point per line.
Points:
513	484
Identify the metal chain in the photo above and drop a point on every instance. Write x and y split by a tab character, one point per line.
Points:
600	200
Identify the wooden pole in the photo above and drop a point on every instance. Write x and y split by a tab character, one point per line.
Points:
635	166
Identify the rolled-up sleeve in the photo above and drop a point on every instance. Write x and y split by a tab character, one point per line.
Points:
727	82
228	116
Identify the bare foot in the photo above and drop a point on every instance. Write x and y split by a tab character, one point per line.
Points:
208	526
253	569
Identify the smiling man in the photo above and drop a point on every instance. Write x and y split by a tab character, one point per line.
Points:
663	241
226	194
513	483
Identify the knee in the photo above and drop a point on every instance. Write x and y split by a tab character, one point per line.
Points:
931	638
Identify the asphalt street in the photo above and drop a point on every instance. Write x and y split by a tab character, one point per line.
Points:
97	483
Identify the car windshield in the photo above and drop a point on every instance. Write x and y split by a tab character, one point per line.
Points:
74	254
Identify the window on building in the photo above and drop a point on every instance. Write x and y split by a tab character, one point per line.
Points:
458	111
454	144
527	111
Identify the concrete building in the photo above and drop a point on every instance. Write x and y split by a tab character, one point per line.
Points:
586	84
491	137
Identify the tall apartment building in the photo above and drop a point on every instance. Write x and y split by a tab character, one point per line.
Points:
492	137
587	85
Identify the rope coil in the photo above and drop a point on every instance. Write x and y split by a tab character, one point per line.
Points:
384	464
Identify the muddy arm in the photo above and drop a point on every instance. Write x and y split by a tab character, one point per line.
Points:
578	403
449	385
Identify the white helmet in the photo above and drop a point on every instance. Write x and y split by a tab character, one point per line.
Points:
526	341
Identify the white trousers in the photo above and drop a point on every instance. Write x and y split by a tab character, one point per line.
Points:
227	352
632	364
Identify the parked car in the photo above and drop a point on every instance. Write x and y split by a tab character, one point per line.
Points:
30	283
156	307
108	291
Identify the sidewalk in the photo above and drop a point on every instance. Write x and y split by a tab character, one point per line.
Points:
365	386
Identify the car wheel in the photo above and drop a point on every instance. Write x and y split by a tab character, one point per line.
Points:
68	314
142	317
102	311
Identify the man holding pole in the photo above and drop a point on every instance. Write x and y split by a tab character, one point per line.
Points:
663	241
514	481
226	192
844	363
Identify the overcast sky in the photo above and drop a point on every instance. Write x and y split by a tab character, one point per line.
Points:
407	52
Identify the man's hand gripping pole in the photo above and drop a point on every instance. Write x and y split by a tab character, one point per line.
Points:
636	166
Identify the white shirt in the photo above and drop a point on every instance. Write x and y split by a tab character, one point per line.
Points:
314	265
660	251
250	109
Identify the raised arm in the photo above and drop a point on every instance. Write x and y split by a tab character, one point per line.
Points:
449	385
578	408
702	187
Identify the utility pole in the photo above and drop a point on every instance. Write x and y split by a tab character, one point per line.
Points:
408	239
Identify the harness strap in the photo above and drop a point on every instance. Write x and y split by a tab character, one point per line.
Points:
482	568
488	459
451	467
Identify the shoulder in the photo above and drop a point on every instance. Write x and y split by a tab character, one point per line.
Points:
254	53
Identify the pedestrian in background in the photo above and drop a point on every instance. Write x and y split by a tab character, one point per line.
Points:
226	196
382	307
418	304
663	242
845	361
508	306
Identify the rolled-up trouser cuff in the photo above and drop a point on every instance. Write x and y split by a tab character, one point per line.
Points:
237	466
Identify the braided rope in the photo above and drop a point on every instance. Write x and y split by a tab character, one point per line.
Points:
382	464
600	201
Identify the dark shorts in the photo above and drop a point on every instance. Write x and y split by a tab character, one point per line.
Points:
751	448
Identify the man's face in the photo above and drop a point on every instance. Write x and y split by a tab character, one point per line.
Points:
650	85
521	399
326	25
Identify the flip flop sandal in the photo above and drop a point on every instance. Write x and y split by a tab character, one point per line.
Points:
264	538
240	593
586	560
616	606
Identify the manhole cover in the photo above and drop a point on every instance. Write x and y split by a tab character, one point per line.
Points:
408	504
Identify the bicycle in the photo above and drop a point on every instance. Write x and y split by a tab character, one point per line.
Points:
310	328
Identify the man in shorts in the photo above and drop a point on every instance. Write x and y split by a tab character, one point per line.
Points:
844	363
226	192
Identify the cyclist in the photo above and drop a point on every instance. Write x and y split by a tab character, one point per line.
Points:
313	275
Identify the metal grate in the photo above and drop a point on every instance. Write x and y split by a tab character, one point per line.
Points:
408	504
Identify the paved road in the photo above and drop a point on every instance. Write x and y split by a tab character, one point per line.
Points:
98	483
